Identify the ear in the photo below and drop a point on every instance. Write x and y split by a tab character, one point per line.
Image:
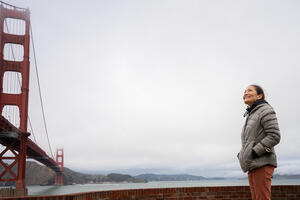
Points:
260	96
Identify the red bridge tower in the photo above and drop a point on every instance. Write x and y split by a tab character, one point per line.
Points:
59	180
20	100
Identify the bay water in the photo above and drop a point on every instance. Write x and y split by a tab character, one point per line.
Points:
69	189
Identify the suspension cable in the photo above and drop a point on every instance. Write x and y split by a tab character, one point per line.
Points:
19	81
40	93
31	129
15	7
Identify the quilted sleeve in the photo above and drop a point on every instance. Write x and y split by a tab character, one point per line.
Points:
271	129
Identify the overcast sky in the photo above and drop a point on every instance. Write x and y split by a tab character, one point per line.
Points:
157	85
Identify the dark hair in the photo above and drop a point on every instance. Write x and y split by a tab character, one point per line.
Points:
259	91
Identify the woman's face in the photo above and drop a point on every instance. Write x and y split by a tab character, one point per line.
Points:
250	95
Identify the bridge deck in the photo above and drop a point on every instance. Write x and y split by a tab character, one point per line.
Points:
10	136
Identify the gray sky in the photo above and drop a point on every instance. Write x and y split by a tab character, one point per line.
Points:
157	85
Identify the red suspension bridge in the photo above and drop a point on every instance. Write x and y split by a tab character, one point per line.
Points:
15	36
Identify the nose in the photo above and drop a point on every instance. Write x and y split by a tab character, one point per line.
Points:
246	92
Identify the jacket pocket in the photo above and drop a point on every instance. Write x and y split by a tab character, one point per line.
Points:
248	152
245	156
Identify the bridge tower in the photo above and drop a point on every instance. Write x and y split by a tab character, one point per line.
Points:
59	180
20	100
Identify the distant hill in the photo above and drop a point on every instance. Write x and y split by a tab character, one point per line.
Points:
187	177
37	174
174	177
279	176
282	176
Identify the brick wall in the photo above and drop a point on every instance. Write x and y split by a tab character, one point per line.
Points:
10	192
189	193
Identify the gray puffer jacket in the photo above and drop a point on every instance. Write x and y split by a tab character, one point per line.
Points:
260	132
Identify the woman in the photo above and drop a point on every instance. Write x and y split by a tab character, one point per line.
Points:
259	136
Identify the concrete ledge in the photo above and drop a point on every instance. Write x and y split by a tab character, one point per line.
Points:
289	192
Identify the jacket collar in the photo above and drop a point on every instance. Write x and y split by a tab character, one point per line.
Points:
256	103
